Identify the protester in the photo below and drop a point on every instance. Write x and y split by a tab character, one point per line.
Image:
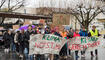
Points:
83	33
35	30
26	42
63	51
69	35
8	40
12	45
94	33
47	30
21	39
76	34
57	33
17	42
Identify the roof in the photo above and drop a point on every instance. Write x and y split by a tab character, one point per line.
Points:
23	16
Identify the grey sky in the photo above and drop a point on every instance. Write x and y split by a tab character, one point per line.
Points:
55	3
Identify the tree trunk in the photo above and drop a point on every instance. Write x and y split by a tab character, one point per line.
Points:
2	21
86	25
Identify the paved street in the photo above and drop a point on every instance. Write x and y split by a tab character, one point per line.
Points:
101	55
13	56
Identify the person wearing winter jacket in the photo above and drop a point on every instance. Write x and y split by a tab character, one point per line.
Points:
76	34
83	33
8	39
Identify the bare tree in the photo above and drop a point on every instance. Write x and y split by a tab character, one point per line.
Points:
86	13
11	6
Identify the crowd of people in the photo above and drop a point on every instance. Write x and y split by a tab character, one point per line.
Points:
18	41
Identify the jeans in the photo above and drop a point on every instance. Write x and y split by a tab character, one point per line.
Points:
13	47
26	53
31	57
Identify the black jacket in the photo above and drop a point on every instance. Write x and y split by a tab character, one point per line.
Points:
27	35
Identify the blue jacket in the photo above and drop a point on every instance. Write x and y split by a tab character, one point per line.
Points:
83	33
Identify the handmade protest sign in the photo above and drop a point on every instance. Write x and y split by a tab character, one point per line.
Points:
48	43
80	43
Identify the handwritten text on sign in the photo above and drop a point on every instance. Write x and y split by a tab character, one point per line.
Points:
80	43
41	44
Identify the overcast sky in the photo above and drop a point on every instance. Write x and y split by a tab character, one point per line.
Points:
37	3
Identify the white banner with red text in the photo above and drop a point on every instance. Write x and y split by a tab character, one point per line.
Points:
47	43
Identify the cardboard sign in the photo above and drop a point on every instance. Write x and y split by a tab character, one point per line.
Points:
41	44
15	26
42	21
61	19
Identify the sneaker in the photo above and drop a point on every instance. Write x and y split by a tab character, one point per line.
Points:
21	56
70	56
5	50
65	57
83	56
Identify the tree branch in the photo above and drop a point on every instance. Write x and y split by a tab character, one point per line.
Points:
77	18
2	3
94	16
81	13
19	4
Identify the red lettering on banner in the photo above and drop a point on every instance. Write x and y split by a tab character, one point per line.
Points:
88	44
75	47
84	46
57	46
52	43
47	44
41	45
98	42
36	45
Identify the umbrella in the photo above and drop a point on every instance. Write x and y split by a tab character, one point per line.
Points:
25	27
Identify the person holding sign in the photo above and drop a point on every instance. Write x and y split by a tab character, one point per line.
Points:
76	34
83	33
63	51
94	33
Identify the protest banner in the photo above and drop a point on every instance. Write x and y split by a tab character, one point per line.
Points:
89	43
48	43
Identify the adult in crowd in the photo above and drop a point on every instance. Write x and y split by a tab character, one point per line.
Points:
83	33
57	33
76	34
63	51
35	30
21	39
8	40
17	41
26	42
47	30
94	33
70	33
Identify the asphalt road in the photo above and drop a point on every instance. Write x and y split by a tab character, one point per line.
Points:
14	56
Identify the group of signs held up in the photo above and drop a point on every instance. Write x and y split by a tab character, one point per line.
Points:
52	44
